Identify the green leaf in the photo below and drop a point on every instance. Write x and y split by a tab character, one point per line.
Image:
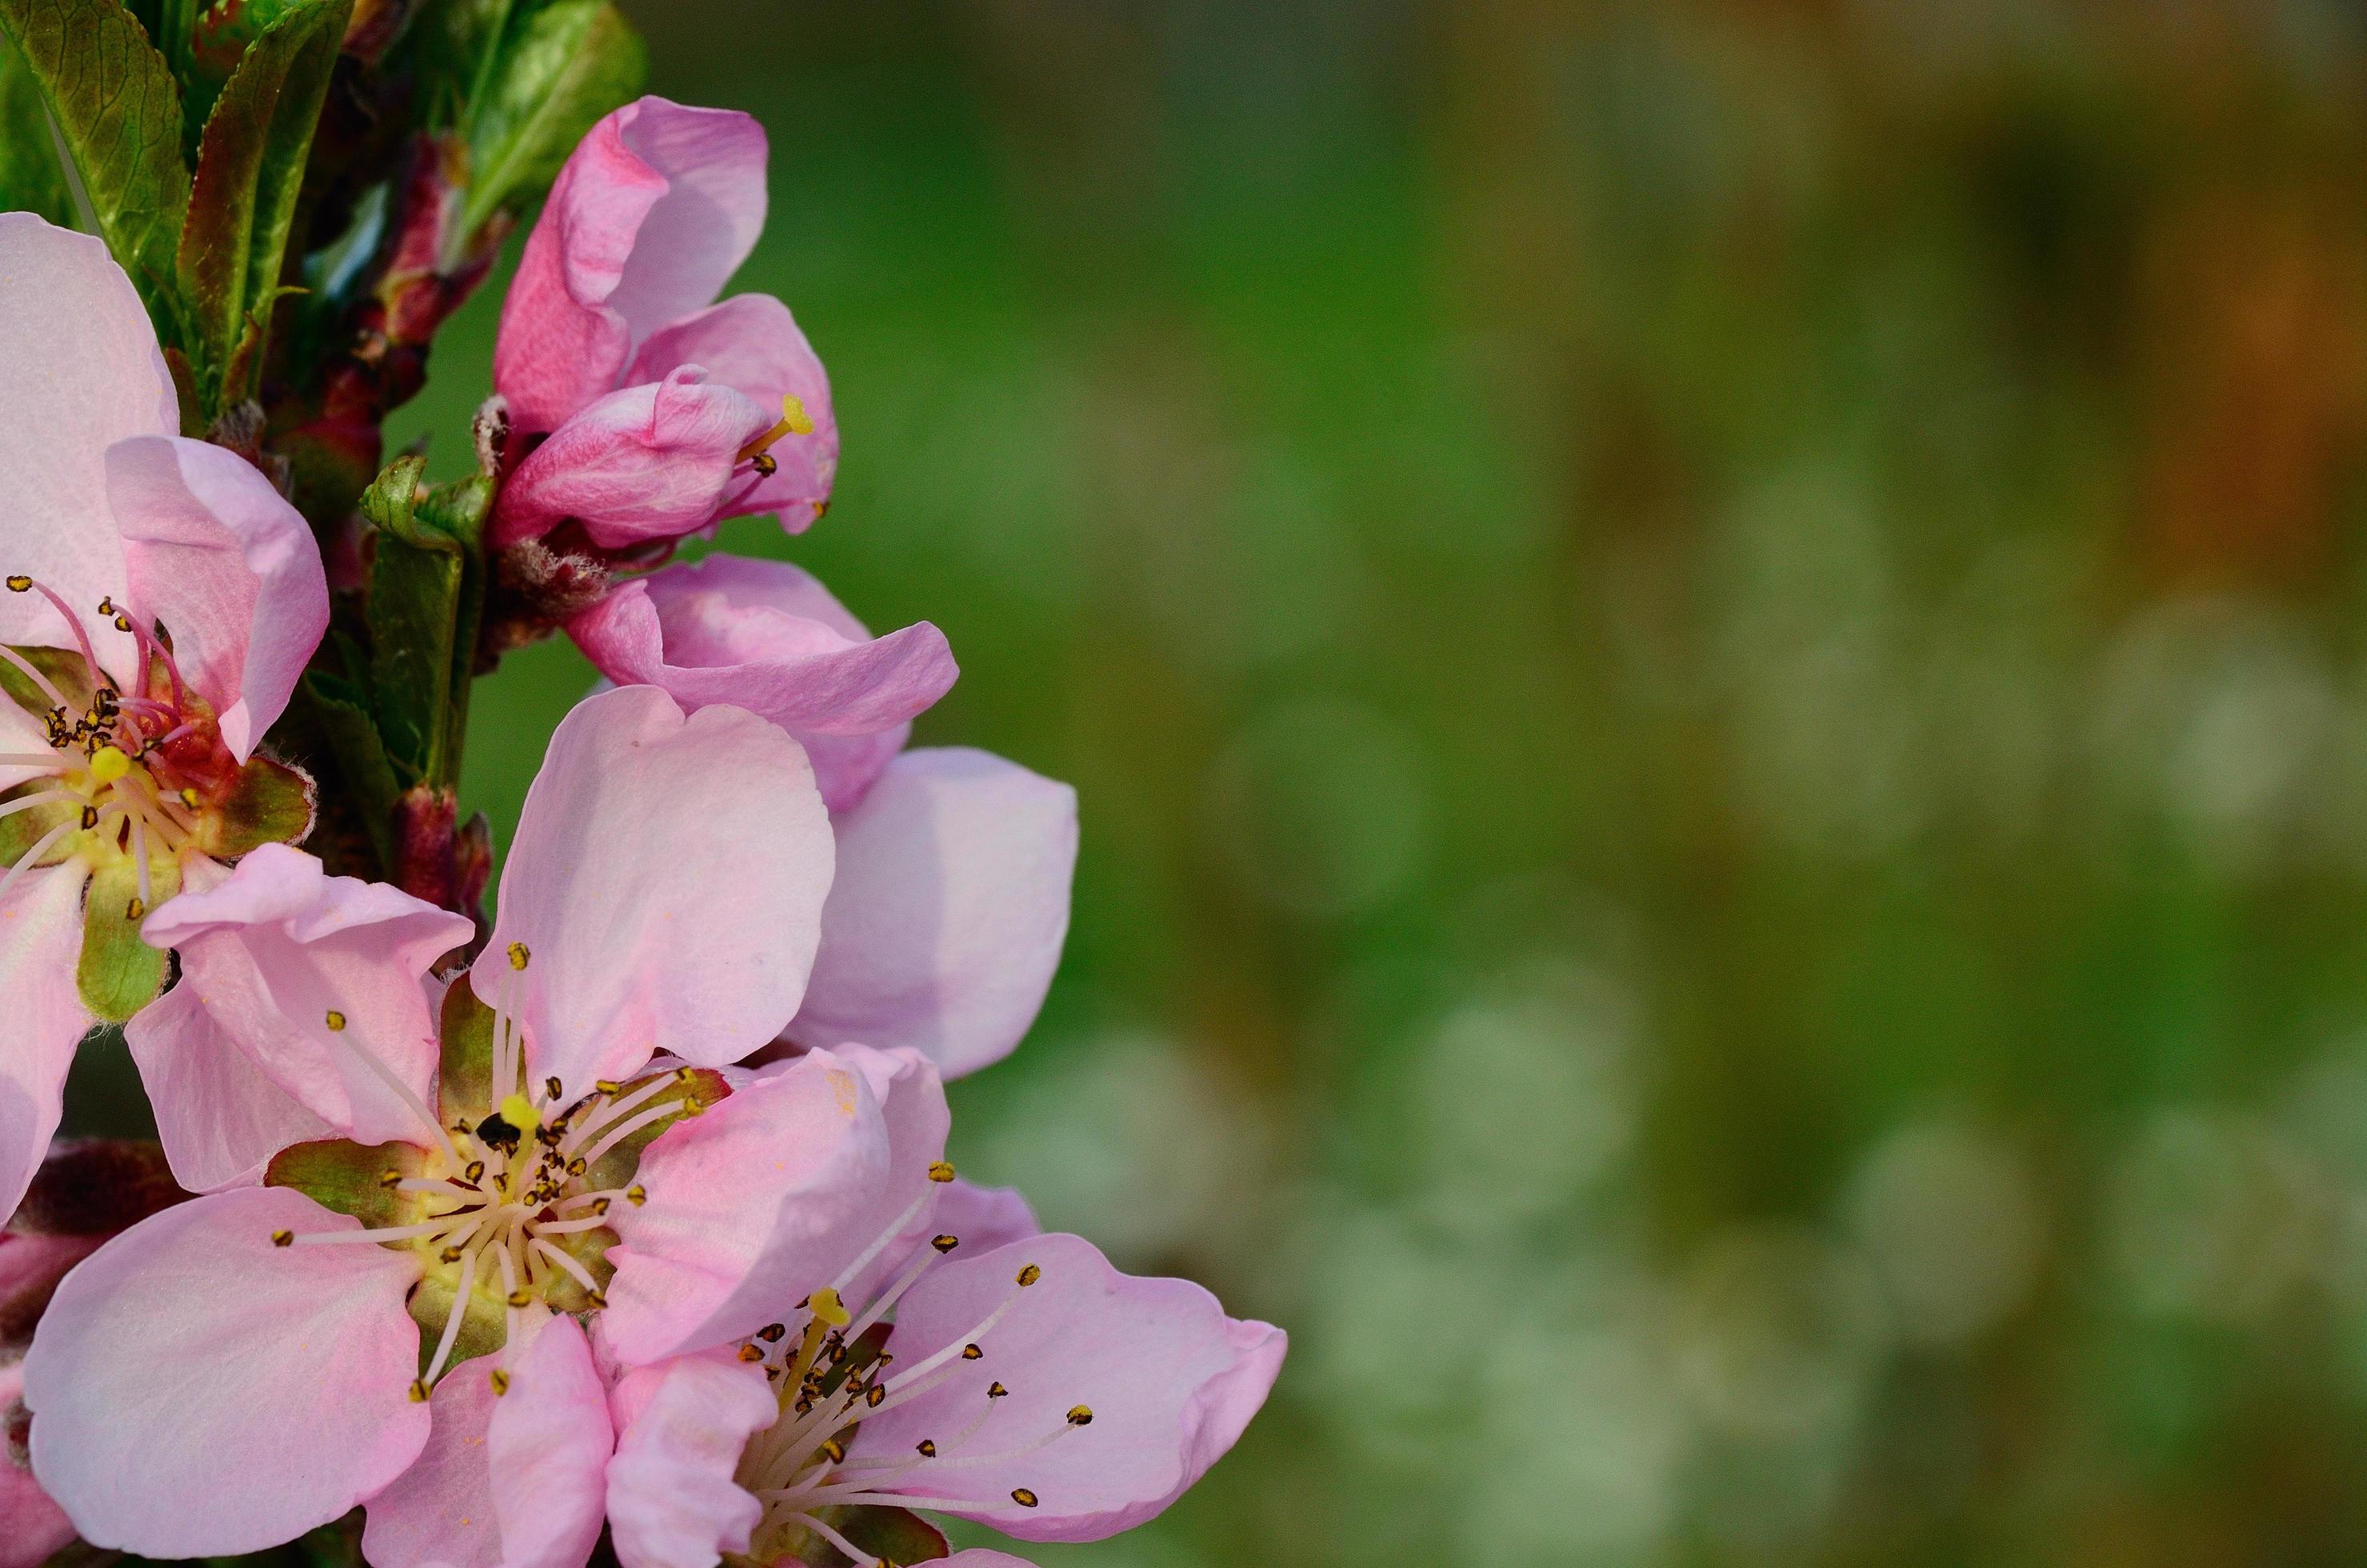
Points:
339	711
417	576
31	180
269	803
116	106
561	68
351	1178
119	973
250	167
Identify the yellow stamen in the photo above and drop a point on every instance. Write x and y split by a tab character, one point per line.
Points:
108	764
519	1112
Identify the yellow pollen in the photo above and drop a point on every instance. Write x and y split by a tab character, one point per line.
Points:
793	415
519	1112
418	1391
189	796
501	1381
336	1021
941	1172
829	1309
1028	1275
20	584
108	764
520	955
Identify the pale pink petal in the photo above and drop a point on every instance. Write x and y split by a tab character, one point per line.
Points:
950	910
40	942
752	343
667	880
279	952
911	1099
441	1509
766	636
79	370
752	1205
682	1424
985	1217
654	210
220	1117
549	1444
21	735
228	567
982	1557
1170	1379
654	462
198	1392
31	1527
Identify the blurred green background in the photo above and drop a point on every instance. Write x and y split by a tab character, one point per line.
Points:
1714	657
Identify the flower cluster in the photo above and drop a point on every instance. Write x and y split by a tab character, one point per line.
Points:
620	1223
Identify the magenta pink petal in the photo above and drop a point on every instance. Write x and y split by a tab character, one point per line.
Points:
654	210
682	1424
749	341
213	552
198	1392
949	910
31	1526
1170	1380
653	461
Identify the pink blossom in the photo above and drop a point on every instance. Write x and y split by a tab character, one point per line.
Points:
951	904
129	769
566	1141
662	411
1027	1385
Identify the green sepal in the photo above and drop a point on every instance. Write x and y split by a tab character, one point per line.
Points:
352	1178
891	1535
338	709
19	831
562	1291
464	1076
118	111
243	202
483	1323
119	973
560	68
30	178
695	1089
269	803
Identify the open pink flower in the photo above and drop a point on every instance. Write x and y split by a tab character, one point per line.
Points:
565	1140
951	904
162	600
1029	1386
660	412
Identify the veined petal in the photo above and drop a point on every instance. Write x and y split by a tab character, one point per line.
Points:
682	1424
653	211
752	343
766	636
1170	1381
303	972
199	1392
665	886
79	371
219	1115
761	1200
40	941
950	910
230	568
654	462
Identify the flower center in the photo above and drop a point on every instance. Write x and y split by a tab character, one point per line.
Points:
118	782
829	1366
513	1193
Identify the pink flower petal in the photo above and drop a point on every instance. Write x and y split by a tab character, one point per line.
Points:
220	1117
279	952
984	1557
985	1217
1171	1381
516	1479
667	880
654	210
198	1392
40	942
31	1526
758	1202
950	907
654	462
764	636
228	566
672	1500
79	370
750	342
